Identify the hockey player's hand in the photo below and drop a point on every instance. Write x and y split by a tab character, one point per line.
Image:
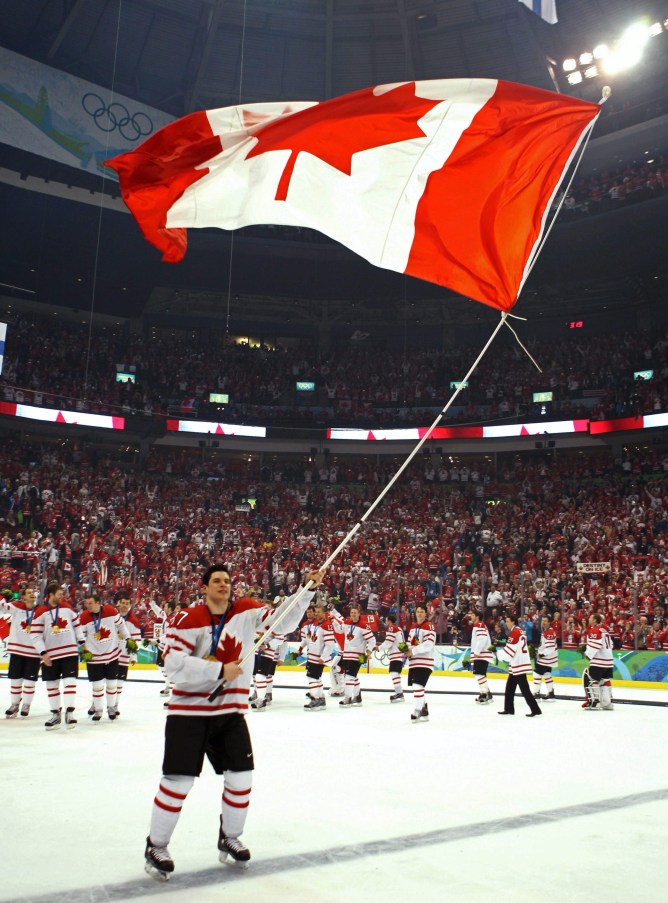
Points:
145	643
131	646
314	578
466	664
85	655
491	648
581	649
232	670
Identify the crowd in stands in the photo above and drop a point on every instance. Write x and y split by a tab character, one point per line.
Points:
355	384
612	189
461	535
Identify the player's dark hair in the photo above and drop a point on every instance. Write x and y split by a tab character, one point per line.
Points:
53	588
211	570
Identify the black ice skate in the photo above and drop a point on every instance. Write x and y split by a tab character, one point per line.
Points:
397	697
54	721
357	700
347	701
315	703
232	850
260	705
70	720
422	715
91	710
12	711
97	717
25	710
159	863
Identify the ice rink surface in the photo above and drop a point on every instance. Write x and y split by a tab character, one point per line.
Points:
354	803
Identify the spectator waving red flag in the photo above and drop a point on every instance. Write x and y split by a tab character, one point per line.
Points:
447	180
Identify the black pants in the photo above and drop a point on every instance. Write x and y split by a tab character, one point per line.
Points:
521	681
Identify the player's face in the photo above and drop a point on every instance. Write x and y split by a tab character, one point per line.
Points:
124	606
219	588
420	615
29	597
354	615
92	605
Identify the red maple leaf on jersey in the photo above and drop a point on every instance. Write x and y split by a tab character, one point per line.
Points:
343	127
104	632
61	624
229	649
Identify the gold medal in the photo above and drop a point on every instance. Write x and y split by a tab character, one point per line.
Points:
210	658
56	628
97	635
27	629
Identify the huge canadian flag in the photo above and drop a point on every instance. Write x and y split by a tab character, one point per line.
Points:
446	180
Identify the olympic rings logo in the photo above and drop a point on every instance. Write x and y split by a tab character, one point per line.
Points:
116	116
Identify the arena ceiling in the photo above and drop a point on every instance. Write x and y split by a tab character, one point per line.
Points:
182	55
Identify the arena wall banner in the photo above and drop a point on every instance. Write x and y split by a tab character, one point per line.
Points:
56	115
54	415
217	429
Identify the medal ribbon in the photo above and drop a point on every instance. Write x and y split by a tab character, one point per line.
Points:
30	614
97	620
216	630
54	620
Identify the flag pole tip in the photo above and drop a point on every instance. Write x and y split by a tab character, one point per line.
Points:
605	93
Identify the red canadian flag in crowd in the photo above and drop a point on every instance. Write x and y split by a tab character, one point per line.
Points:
447	180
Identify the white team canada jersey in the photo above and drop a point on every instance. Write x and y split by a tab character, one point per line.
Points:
101	632
159	625
57	631
421	642
393	638
320	642
516	652
134	630
19	640
480	643
188	646
356	639
272	647
599	647
547	651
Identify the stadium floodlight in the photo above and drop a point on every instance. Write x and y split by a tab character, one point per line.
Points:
569	65
600	51
586	58
591	72
655	29
628	50
574	78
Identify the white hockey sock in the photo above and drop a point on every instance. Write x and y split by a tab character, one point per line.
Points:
173	790
260	685
15	692
315	688
549	683
236	795
482	683
112	694
70	692
349	688
98	694
28	692
119	690
270	684
418	697
396	681
53	694
536	683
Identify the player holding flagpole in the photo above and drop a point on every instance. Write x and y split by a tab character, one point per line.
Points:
396	647
204	649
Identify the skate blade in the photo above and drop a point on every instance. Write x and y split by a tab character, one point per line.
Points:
226	859
155	873
70	727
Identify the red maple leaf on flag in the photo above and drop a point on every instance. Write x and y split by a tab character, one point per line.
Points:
342	127
229	649
104	633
